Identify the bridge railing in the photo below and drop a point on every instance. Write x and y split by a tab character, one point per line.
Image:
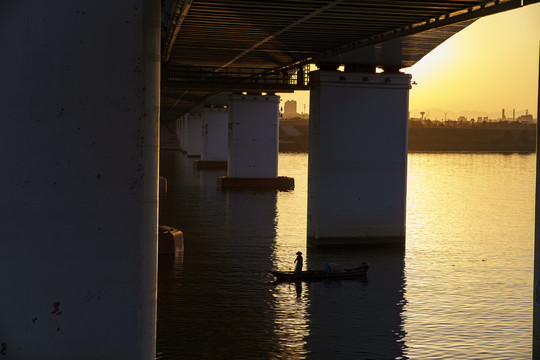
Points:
236	76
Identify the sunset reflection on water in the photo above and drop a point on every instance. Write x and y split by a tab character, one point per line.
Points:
291	325
469	255
461	288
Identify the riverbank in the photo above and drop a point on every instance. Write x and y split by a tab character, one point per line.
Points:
520	139
472	140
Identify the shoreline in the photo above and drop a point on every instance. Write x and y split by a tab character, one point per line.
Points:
516	138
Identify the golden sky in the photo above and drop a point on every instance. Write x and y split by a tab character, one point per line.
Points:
490	65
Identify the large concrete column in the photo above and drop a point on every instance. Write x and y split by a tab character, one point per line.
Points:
253	143
194	135
180	131
184	142
214	137
253	136
357	158
79	180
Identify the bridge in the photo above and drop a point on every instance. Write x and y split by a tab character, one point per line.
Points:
84	87
214	46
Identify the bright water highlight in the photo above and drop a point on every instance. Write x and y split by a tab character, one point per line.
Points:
462	288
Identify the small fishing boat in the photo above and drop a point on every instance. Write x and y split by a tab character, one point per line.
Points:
327	274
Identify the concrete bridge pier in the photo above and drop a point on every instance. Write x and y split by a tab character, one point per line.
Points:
183	132
357	158
180	131
253	143
214	137
193	133
79	180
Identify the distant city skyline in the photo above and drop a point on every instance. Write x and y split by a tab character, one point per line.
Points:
489	66
441	114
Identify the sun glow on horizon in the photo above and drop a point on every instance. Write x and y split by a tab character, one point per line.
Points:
490	65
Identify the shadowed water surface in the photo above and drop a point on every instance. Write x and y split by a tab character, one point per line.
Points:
461	289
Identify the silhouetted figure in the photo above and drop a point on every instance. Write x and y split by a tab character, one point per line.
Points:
299	263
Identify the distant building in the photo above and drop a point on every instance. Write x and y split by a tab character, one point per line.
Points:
527	118
289	110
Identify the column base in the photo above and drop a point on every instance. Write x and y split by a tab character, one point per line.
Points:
171	147
387	241
208	164
277	183
170	240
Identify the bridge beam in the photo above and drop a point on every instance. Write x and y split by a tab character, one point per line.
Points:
79	179
357	158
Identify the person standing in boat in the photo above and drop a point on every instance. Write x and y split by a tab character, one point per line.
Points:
299	263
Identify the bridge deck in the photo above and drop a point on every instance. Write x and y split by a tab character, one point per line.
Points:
278	37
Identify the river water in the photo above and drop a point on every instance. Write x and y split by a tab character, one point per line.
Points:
461	289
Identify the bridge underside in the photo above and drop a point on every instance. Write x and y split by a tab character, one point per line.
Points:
211	46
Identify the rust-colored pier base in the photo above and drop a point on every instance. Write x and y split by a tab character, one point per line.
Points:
170	240
208	164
